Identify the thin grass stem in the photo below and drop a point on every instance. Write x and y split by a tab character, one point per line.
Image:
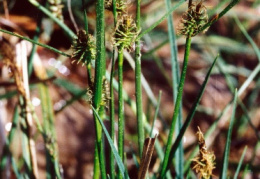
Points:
177	106
121	125
67	30
100	67
175	69
35	42
240	163
112	102
228	142
190	115
138	85
161	19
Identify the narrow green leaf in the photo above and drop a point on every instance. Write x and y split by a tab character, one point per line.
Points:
8	94
243	30
240	163
66	29
117	157
179	156
177	106
68	85
246	170
35	42
190	115
70	101
160	20
228	142
85	20
224	112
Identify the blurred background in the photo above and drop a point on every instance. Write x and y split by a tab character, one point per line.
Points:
235	37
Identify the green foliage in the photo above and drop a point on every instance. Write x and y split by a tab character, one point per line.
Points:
128	35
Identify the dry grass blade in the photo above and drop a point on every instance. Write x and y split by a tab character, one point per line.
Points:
146	157
20	66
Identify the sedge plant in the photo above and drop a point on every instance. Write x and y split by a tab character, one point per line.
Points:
127	32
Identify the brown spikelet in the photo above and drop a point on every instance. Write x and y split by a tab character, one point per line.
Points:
204	163
84	49
193	19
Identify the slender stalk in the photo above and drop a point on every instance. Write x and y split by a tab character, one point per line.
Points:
224	168
190	115
161	19
177	106
112	103
35	42
96	163
121	124
240	163
179	157
35	38
49	134
138	85
100	67
69	32
112	119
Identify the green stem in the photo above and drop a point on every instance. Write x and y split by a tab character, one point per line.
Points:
179	157
177	106
138	85
55	19
49	134
120	104
161	19
96	163
112	118
100	67
35	38
112	103
35	42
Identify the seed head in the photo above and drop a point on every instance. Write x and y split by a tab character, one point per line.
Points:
120	5
204	163
84	49
126	32
193	19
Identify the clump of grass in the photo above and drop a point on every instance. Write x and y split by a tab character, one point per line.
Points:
127	34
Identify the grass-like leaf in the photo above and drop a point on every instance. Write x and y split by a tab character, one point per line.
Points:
243	30
35	42
117	157
240	163
190	116
160	20
66	29
228	142
224	112
179	160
